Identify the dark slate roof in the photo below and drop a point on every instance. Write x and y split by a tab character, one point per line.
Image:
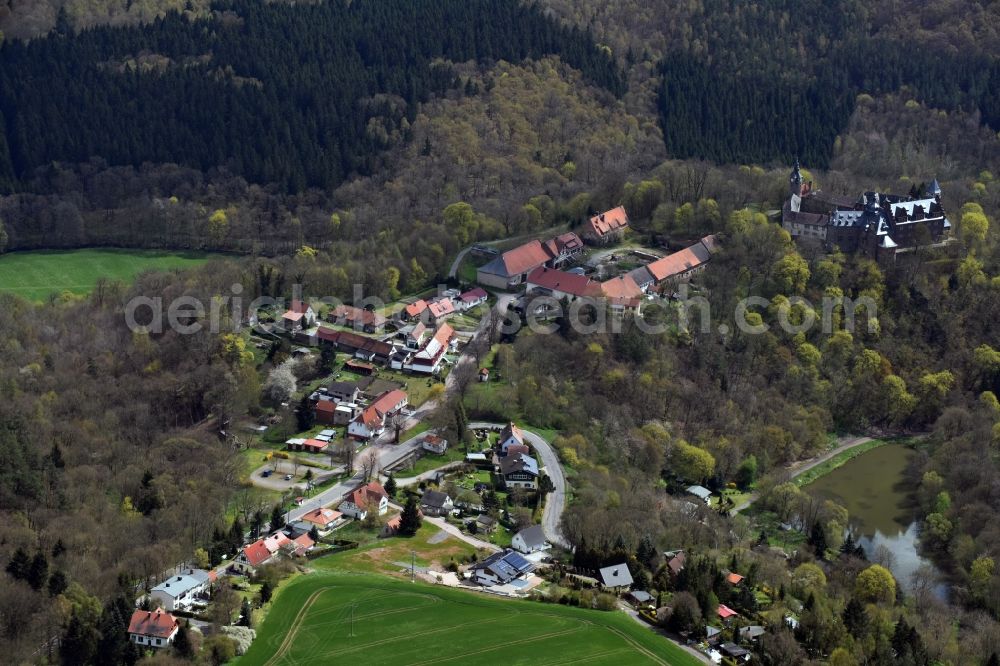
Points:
518	462
434	498
532	536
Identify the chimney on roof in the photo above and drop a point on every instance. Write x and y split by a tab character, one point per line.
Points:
602	217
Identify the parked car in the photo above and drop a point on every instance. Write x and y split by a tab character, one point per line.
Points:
266	473
288	477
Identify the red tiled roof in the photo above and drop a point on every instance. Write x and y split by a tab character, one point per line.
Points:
441	308
291	315
675	264
326	407
303	542
354	340
621	287
711	243
568	283
315	444
371	492
256	553
726	612
608	221
275	541
321	517
414	309
158	623
524	258
352	315
299	306
387	402
473	295
514	449
734	579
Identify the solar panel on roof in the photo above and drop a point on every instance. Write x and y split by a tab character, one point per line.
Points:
518	562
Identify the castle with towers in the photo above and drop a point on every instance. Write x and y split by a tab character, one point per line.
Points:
875	224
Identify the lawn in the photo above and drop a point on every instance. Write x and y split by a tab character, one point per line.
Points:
327	618
36	275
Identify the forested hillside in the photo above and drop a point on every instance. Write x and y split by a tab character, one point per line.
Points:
302	96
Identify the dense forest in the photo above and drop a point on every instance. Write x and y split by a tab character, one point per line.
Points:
225	129
732	93
300	96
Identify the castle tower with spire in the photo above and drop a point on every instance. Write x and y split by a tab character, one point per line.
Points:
795	180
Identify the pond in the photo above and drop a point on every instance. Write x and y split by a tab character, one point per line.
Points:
874	491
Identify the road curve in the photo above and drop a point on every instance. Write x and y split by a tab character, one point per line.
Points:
555	502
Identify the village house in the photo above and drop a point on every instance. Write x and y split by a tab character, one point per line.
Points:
510	434
413	310
519	470
371	421
511	268
561	285
360	319
563	248
436	503
622	295
681	266
434	444
414	336
486	524
440	309
260	552
606	227
726	614
156	629
251	557
617	577
530	540
325	411
323	519
428	359
701	492
472	298
300	545
501	568
343	391
299	316
367	498
359	346
181	591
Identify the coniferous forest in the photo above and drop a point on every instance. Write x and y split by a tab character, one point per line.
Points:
298	95
766	83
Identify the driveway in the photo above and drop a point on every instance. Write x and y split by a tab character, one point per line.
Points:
555	502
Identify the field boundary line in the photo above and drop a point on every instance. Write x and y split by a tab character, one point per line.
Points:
646	651
293	629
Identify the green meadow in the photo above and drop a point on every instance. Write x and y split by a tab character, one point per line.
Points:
38	274
325	618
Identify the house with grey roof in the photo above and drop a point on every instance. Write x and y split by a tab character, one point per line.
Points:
501	568
519	470
701	492
616	577
436	503
530	540
181	591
